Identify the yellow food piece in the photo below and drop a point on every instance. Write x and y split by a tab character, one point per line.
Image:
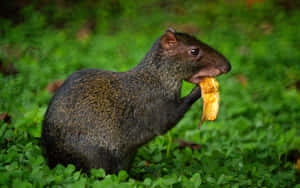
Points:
211	98
298	164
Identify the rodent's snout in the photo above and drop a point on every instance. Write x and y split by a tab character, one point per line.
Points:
223	64
226	67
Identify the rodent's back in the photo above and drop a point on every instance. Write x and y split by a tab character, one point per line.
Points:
84	105
82	94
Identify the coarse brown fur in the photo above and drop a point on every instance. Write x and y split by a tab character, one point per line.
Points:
98	119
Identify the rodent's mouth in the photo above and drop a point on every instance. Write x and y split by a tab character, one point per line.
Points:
206	72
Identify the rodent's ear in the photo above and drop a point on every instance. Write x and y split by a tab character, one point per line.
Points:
168	40
171	30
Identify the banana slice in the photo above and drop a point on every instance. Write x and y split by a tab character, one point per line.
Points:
211	99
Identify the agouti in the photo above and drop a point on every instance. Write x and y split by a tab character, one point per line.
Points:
99	119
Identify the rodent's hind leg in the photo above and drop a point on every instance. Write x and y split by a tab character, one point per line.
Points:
95	157
83	157
59	155
100	157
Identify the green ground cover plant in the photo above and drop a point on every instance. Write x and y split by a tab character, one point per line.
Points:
255	141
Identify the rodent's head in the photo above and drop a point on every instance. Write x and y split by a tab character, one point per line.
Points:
191	58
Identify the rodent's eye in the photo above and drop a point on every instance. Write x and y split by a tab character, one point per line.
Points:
195	51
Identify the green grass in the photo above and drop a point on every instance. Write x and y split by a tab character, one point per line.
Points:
247	146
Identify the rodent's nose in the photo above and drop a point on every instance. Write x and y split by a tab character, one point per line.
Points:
226	67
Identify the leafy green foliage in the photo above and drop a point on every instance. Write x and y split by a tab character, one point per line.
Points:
258	122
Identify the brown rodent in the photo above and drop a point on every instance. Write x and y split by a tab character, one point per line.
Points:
98	118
